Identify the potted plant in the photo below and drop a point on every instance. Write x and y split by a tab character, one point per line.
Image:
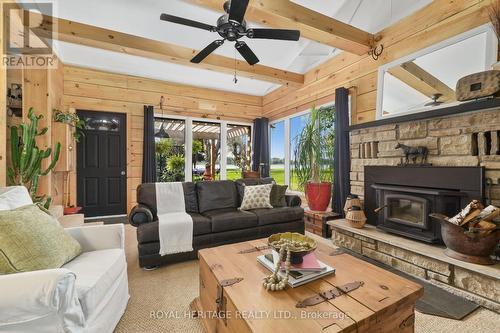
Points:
314	159
71	119
27	157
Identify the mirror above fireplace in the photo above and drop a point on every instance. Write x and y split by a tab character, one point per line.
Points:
426	80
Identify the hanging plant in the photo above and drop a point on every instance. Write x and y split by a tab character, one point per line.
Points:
71	119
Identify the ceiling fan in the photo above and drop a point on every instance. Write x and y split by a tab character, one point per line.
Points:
435	100
232	26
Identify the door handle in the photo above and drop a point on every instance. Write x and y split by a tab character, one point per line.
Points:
123	173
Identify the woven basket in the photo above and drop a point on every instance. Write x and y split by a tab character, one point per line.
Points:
356	217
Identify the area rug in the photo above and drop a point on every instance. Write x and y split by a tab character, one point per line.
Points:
159	301
435	301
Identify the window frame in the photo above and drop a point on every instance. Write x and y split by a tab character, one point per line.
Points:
188	145
288	139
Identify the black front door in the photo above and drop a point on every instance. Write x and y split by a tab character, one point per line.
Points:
101	164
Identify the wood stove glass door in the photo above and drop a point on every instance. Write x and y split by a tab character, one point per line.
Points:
406	209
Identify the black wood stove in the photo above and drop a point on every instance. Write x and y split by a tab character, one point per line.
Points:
400	199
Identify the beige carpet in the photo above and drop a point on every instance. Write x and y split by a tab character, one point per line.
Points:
167	292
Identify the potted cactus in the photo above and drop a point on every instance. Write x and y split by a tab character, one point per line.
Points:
27	158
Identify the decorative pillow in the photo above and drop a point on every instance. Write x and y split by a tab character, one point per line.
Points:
278	195
31	239
256	197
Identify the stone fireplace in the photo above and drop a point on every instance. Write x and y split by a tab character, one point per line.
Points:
400	199
465	140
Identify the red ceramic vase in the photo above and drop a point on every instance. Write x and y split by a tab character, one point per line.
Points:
318	195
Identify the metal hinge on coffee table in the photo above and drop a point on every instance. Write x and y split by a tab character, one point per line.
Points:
329	294
221	300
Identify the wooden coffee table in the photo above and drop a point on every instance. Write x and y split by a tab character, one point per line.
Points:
385	303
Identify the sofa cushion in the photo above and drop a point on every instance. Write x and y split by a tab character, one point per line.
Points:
257	196
190	197
96	273
278	193
216	195
278	215
146	195
241	183
31	239
148	232
231	219
267	180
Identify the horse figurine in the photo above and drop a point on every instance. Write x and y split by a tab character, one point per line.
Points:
412	153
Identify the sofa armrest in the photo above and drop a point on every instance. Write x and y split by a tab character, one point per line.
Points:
140	214
44	297
293	200
71	221
99	237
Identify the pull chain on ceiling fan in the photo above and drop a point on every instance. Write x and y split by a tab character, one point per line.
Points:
231	27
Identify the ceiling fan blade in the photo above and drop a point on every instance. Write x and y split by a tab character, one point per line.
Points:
281	34
206	51
189	23
246	53
237	10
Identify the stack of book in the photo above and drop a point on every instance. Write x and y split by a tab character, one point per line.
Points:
309	270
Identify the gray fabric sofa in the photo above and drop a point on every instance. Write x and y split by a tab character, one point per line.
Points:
216	218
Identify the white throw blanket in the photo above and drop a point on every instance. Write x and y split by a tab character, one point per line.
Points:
175	226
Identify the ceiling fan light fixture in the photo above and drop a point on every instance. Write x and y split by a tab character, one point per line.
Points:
232	26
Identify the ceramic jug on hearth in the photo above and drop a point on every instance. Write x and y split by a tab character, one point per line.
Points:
352	200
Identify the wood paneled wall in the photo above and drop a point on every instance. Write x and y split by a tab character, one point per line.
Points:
3	107
436	22
78	88
86	89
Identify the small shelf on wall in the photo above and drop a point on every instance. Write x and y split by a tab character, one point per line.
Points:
476	105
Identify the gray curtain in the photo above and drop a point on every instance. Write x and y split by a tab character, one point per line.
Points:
261	146
149	158
341	180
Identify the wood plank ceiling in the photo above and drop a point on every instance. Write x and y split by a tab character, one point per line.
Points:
285	14
277	13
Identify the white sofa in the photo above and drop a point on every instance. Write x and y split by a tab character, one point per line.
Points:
88	294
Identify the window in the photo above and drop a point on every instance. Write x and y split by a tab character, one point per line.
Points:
284	135
206	151
297	124
103	123
238	150
170	149
190	149
327	128
277	152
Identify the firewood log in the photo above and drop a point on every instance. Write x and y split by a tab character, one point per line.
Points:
471	211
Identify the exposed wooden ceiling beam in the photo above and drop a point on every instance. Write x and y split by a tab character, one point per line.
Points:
88	35
422	81
285	14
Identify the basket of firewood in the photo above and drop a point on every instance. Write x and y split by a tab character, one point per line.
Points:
473	234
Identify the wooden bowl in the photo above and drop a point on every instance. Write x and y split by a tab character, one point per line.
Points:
473	248
296	257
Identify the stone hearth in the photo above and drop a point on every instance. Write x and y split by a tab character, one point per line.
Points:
480	284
